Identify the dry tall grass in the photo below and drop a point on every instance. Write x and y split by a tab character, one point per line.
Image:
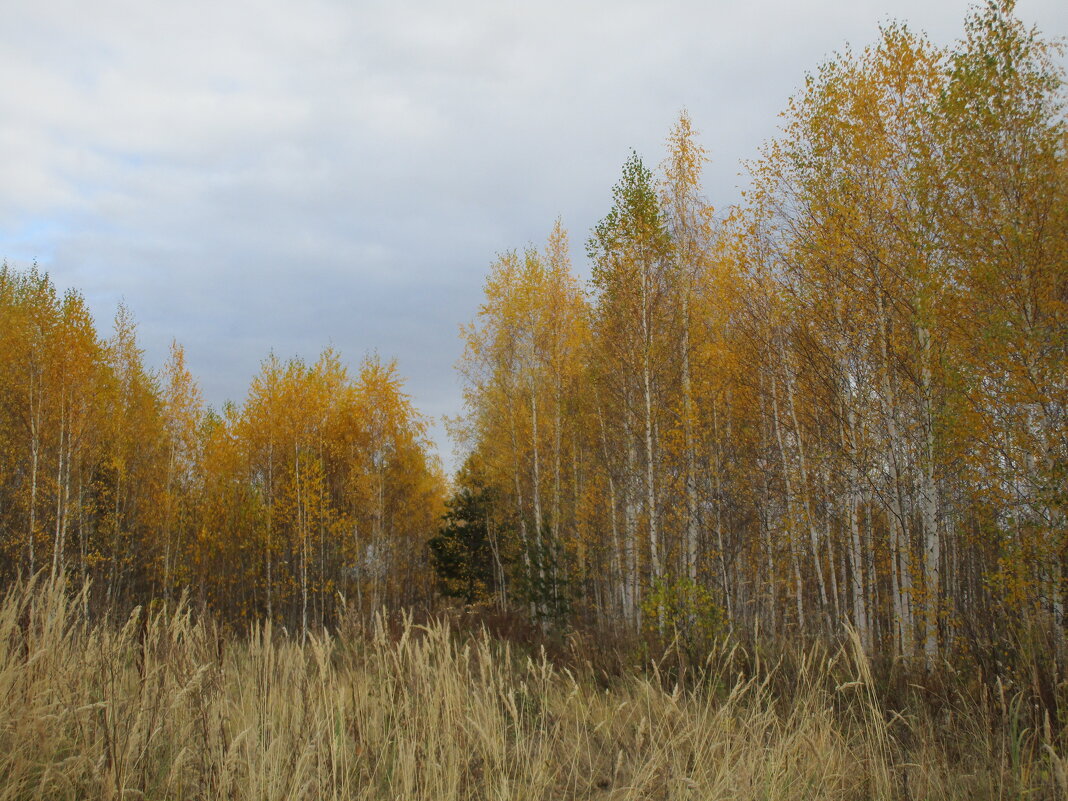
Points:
167	708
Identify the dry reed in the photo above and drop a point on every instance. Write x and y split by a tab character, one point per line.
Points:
166	707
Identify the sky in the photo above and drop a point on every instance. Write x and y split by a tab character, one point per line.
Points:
284	175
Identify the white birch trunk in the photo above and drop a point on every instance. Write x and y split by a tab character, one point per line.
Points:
789	506
901	577
929	507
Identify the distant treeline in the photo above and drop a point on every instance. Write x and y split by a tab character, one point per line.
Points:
319	489
843	402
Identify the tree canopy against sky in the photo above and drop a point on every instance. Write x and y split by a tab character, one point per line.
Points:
842	402
362	160
321	488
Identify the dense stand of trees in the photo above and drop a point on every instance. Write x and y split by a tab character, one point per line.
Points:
319	489
844	402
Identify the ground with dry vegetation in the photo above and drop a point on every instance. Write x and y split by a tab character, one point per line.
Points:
165	706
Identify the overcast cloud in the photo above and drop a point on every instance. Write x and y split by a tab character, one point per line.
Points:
286	175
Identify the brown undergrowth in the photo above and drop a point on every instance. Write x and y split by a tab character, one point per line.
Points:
169	707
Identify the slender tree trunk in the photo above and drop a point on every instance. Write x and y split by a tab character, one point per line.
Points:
359	574
765	532
499	578
929	506
901	582
536	465
116	535
650	488
83	561
66	503
524	540
543	550
576	494
56	543
35	455
557	433
717	469
810	522
650	485
790	517
655	565
36	405
302	524
828	539
630	523
868	553
692	521
270	528
860	614
168	525
618	558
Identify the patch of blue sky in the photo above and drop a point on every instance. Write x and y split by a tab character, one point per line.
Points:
31	239
122	158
